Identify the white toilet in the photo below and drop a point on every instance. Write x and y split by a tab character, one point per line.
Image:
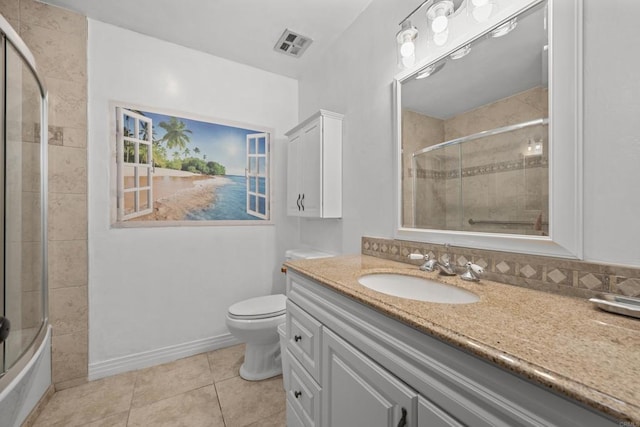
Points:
255	321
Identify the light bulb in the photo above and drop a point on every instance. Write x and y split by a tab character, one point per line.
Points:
482	13
538	147
441	38
439	24
529	147
407	49
408	61
478	3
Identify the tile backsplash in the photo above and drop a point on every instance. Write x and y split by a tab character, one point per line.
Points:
558	275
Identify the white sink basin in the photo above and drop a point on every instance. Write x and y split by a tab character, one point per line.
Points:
417	288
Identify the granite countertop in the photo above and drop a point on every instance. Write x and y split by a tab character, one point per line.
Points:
561	342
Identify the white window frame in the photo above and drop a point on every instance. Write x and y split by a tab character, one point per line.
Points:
146	167
251	174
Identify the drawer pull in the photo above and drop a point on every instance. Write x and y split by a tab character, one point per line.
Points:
403	420
297	338
297	394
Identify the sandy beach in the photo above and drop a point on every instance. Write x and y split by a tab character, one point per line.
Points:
176	193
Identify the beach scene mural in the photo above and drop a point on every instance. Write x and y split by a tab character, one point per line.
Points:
173	168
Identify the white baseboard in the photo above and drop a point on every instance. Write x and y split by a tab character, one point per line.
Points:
149	358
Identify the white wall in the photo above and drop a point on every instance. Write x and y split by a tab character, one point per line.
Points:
355	77
151	288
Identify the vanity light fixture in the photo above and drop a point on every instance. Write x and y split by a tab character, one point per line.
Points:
504	29
406	44
438	18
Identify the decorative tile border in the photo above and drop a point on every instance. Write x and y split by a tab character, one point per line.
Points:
508	166
557	275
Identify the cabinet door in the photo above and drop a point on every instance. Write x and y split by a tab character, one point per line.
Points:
429	415
359	392
294	193
311	173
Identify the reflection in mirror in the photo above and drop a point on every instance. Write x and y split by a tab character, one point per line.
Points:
475	134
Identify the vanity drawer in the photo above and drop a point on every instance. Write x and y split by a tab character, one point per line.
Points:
303	395
304	339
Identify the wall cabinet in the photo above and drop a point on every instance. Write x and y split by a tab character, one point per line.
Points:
349	365
314	167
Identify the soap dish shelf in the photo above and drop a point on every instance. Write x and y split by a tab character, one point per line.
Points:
618	304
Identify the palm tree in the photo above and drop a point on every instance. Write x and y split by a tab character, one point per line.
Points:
176	133
204	157
186	152
196	150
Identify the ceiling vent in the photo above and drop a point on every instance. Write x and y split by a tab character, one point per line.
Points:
292	44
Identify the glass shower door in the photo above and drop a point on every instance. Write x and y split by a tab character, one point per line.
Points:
23	298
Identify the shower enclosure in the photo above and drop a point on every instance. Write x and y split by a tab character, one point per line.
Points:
23	293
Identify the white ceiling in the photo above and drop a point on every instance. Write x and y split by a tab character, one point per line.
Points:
244	31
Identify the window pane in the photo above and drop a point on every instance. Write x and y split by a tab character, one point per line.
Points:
262	145
129	202
262	206
262	165
144	199
129	173
129	126
143	153
252	203
129	152
252	184
262	185
143	131
145	176
252	146
252	165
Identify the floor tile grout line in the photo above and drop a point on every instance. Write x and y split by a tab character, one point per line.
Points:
219	405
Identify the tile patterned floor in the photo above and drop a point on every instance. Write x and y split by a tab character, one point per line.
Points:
202	390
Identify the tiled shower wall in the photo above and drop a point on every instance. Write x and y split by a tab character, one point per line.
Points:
557	275
494	177
58	40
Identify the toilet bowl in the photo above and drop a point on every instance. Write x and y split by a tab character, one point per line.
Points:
255	321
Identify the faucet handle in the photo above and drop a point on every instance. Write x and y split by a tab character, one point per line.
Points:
473	272
475	267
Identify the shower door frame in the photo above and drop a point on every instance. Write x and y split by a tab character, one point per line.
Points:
8	34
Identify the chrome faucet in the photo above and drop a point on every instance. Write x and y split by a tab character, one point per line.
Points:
473	273
431	264
445	267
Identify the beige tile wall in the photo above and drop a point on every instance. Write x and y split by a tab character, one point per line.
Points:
58	41
499	181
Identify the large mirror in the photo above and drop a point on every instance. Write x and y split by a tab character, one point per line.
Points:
475	143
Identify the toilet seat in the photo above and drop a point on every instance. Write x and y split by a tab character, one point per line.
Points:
259	308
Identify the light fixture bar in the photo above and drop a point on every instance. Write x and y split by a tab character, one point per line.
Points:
415	10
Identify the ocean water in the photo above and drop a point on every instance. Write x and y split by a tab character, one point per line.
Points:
230	203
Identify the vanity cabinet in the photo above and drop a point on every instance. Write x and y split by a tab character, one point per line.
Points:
314	167
350	365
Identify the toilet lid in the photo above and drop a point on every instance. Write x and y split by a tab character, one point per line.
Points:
260	307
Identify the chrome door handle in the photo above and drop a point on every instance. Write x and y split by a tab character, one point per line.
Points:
298	202
302	202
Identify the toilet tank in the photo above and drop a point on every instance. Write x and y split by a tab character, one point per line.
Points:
304	253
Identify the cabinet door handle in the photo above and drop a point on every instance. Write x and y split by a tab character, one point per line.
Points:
298	202
297	338
302	202
297	394
403	420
